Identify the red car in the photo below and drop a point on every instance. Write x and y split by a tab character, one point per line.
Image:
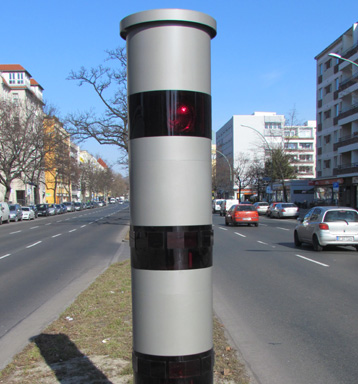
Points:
242	214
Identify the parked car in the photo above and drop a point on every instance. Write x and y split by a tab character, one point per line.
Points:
282	210
4	212
63	207
52	209
226	205
78	206
270	209
42	209
28	213
15	212
324	226
242	214
59	209
261	207
34	208
216	205
70	206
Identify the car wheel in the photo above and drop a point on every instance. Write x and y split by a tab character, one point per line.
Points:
316	245
0	220
226	223
256	224
298	243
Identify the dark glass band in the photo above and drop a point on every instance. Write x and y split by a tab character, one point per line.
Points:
171	248
169	113
191	369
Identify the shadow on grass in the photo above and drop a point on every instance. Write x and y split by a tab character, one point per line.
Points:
66	361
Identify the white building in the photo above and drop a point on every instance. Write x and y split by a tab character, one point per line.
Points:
337	118
254	135
16	84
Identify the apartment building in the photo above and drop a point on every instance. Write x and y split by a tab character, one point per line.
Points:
337	121
255	135
17	84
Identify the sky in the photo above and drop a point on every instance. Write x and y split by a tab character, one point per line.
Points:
262	57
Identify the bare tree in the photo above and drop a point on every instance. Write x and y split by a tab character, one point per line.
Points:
242	172
21	142
110	85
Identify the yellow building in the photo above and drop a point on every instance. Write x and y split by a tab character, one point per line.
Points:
60	170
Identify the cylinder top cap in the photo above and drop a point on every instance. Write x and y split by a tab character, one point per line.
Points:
168	15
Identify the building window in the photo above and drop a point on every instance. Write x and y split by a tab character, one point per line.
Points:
327	89
337	83
12	78
327	163
291	145
327	139
273	125
20	78
327	64
306	146
320	94
336	110
327	114
335	136
321	69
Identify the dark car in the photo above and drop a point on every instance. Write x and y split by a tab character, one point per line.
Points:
15	212
43	209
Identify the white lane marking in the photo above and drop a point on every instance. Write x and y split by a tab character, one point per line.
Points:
90	223
312	261
284	229
240	234
72	230
3	257
48	224
223	229
82	226
32	245
261	242
34	227
59	234
264	225
11	233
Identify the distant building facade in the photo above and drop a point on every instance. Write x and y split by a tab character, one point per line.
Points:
255	135
337	119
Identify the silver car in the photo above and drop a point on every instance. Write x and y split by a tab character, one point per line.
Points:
328	226
261	207
285	210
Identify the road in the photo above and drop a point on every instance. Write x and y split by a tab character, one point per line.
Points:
47	262
292	313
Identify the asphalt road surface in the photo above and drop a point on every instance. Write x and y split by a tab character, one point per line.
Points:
291	312
47	262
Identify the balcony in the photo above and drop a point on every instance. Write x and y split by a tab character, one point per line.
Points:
350	51
348	82
345	168
346	140
348	111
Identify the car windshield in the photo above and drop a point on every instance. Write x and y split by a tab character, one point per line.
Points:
41	206
12	208
341	215
25	208
288	205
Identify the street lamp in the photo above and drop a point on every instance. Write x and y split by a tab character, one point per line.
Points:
228	162
337	56
268	146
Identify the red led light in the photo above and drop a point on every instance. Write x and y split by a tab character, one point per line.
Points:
181	119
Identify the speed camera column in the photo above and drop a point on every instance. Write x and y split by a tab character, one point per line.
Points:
171	238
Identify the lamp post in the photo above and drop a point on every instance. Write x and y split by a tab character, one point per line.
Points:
227	160
337	56
266	142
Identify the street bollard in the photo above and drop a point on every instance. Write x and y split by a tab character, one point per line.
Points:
171	237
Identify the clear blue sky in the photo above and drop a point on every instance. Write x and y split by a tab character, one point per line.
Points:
262	56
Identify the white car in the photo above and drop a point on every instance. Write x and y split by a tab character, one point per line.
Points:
261	207
28	213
